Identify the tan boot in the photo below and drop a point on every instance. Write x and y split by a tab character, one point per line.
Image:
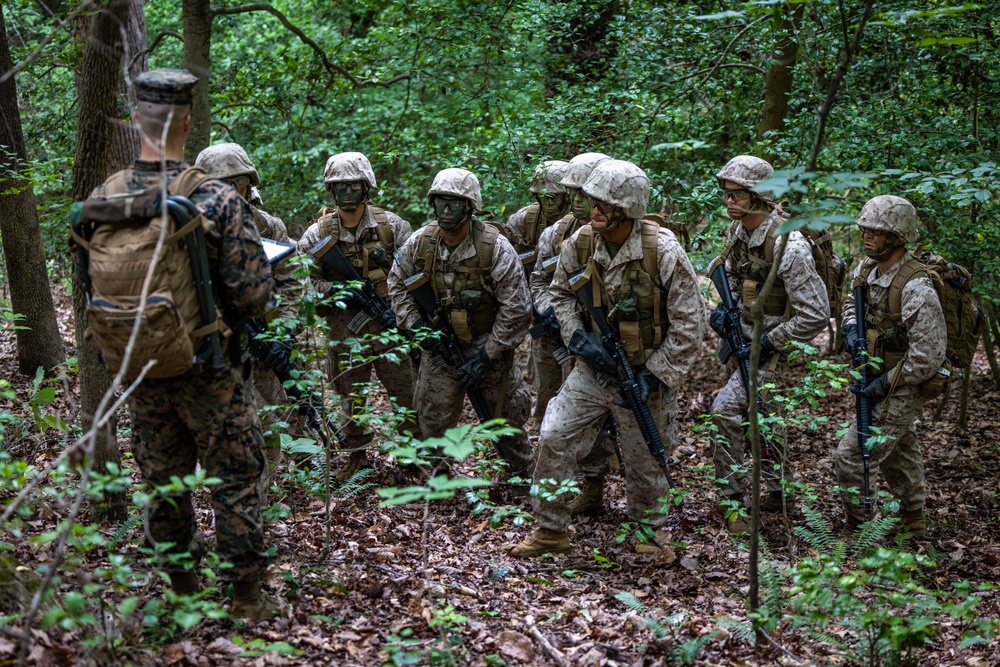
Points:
252	604
184	582
590	502
356	462
915	522
540	542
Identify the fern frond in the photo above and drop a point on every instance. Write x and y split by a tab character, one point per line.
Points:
630	601
871	534
353	486
741	630
122	531
818	532
690	650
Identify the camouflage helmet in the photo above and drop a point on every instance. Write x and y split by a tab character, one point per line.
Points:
547	177
457	183
748	171
578	169
347	168
620	183
887	213
227	161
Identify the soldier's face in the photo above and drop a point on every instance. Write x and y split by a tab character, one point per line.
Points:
349	195
604	216
580	206
450	211
552	204
737	199
878	244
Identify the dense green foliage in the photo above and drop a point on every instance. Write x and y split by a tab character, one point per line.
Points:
496	87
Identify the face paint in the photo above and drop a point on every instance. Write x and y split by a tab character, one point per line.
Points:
552	205
451	212
349	196
580	206
878	244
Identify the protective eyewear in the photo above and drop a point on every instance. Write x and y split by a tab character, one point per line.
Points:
738	194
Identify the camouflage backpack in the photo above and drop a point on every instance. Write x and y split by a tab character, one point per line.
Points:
963	316
116	236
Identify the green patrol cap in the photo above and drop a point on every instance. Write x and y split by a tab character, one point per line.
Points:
165	86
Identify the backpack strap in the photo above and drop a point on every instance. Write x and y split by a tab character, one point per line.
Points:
912	268
117	183
650	264
531	224
584	244
329	223
485	249
383	228
186	182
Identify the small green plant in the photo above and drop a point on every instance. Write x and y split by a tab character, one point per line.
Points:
603	561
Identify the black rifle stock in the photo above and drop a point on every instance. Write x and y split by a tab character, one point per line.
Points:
423	294
183	210
863	404
738	343
373	306
627	386
307	405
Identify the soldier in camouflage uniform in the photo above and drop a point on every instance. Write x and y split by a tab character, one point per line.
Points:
594	467
204	416
369	237
643	277
797	308
524	229
479	282
911	344
229	162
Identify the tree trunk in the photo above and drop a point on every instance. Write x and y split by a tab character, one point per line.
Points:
125	136
98	114
197	18
778	83
39	344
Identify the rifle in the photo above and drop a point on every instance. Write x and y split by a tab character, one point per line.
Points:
627	386
373	306
183	210
309	406
862	402
559	349
738	343
419	286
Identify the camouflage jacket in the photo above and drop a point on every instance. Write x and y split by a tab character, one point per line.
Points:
540	280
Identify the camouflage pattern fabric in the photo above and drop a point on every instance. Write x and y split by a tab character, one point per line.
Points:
810	307
575	417
439	396
208	417
748	171
397	378
165	86
546	373
900	459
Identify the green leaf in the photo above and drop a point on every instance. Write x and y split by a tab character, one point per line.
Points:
187	619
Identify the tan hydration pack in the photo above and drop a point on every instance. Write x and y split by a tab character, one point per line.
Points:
116	237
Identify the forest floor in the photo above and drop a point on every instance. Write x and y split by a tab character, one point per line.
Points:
379	594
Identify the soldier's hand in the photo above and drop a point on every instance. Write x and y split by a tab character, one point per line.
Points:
874	390
345	294
472	372
645	383
717	321
279	358
588	346
388	319
552	326
427	336
853	344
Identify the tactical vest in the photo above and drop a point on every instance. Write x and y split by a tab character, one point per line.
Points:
886	333
564	229
258	220
371	253
531	230
751	268
469	306
640	313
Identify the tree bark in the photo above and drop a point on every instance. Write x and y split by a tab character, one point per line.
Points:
197	18
125	136
39	344
779	79
98	115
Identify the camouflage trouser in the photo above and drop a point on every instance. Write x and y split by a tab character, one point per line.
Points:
398	380
206	418
900	458
267	391
573	422
730	445
546	373
440	398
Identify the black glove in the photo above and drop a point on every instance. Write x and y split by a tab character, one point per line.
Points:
874	390
350	297
279	358
472	372
588	347
853	344
388	319
429	341
646	382
766	350
717	320
552	326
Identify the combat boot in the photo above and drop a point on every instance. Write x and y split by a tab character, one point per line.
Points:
915	522
184	582
357	461
590	502
542	541
772	502
252	604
